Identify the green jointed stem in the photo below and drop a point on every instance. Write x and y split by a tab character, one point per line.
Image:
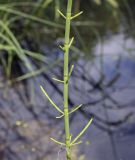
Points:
66	74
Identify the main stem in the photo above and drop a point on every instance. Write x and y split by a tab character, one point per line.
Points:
66	77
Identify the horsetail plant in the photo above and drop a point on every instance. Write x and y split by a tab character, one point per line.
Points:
66	76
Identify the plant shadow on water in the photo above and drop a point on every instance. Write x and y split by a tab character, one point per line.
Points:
103	82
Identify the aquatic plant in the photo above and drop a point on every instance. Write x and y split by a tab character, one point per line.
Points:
11	43
66	77
27	14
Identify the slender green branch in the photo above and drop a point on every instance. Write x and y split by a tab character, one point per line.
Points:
51	101
61	14
62	48
76	143
73	110
72	39
58	80
71	70
78	14
58	142
82	132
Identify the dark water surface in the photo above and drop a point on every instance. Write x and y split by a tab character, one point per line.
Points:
118	59
26	125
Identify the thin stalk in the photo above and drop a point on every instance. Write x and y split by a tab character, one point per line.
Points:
66	76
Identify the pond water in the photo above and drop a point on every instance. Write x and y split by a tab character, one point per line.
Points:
115	57
105	85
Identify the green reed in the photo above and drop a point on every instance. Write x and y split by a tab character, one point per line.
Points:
66	76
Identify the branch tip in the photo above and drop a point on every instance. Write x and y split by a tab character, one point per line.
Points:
61	14
72	39
82	132
71	70
51	101
58	142
75	108
76	15
58	80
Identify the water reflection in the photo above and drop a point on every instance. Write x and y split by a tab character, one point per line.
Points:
116	66
104	84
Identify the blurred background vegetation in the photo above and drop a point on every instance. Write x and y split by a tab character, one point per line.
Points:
27	26
103	52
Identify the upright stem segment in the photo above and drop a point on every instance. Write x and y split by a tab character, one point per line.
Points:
66	77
